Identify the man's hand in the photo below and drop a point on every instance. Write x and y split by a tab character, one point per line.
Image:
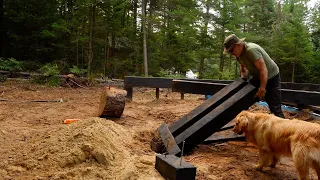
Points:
261	93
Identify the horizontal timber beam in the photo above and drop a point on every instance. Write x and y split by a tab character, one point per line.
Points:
154	82
288	95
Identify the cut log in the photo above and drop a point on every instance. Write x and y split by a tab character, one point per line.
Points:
112	102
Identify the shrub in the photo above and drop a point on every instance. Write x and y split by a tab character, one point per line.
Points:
50	69
77	71
10	64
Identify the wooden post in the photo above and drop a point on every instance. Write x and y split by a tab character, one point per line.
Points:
129	93
182	95
112	102
157	93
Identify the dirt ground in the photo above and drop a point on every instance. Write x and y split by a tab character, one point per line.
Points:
36	144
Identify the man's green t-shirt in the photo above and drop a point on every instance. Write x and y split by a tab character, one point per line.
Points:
251	53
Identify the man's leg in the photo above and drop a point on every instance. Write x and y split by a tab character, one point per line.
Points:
273	96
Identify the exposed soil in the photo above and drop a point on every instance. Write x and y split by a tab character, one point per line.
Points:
36	144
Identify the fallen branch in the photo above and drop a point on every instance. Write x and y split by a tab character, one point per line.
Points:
7	100
76	83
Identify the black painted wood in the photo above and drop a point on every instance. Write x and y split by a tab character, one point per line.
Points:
211	86
168	139
129	93
195	87
170	168
300	86
227	126
300	97
137	81
187	120
288	96
208	80
181	95
217	118
227	136
134	81
157	93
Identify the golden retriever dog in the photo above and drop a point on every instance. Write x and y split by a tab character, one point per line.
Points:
275	137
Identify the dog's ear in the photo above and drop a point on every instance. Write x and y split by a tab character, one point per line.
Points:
243	122
250	115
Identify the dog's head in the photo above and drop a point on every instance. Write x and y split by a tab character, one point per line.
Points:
242	122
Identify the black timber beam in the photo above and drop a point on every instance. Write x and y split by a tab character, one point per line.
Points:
173	168
225	137
300	97
134	81
209	80
196	87
288	96
207	106
157	82
196	115
284	85
168	140
153	82
217	118
300	86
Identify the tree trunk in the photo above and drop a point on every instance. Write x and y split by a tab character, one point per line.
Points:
293	68
204	37
2	34
112	102
90	52
77	56
106	49
135	14
145	57
150	27
201	68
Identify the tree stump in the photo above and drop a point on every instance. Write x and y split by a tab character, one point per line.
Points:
112	102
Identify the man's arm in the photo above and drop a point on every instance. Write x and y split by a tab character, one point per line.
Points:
261	66
243	71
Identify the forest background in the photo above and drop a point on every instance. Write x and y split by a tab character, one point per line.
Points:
158	38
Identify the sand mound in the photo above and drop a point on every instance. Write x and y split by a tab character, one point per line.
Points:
89	149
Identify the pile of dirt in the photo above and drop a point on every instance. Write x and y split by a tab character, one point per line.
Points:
93	148
303	115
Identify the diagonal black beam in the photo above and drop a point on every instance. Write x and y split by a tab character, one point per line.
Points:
187	120
217	118
196	115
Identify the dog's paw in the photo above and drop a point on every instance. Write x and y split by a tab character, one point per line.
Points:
258	167
273	165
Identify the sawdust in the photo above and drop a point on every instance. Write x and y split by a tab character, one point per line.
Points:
92	148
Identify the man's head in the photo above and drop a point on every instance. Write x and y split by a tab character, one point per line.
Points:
230	42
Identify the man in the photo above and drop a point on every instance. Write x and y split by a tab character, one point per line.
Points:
264	71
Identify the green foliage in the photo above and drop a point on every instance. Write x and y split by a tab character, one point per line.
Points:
77	71
52	81
10	64
30	66
50	69
184	34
